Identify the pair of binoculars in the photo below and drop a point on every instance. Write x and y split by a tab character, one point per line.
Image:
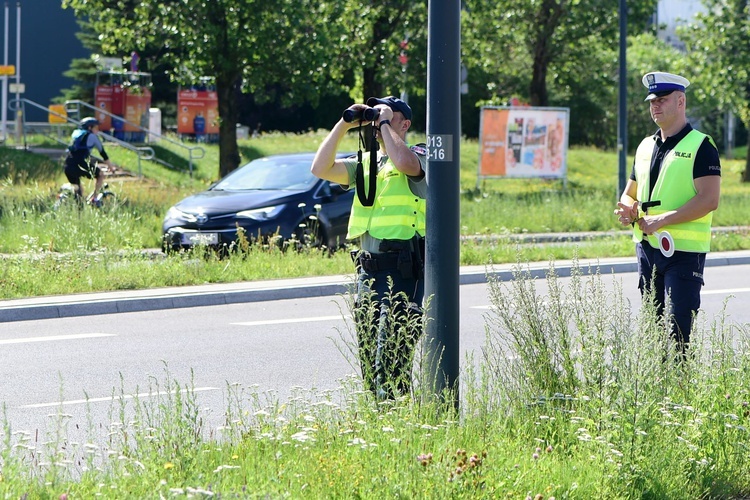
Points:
361	113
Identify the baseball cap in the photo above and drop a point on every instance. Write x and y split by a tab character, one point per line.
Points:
660	84
394	103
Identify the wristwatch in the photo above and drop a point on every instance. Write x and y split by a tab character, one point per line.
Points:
384	122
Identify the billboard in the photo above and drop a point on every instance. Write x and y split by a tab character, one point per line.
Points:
104	100
523	142
135	112
197	112
130	103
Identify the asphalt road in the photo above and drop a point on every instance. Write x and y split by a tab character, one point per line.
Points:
267	349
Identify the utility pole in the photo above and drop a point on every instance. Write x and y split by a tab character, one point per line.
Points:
443	211
4	113
19	108
622	132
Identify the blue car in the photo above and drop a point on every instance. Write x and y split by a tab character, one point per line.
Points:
275	196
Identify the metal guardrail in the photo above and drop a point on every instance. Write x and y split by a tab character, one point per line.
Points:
194	152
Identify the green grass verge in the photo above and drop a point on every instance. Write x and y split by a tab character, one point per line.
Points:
556	407
29	225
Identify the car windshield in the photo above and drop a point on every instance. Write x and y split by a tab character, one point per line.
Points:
270	173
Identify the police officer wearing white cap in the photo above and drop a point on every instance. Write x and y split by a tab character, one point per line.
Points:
674	187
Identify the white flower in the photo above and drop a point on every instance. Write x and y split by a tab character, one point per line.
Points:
357	442
222	467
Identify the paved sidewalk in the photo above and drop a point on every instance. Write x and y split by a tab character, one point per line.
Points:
255	291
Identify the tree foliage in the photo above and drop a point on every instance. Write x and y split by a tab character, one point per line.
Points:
551	53
718	44
369	44
270	49
544	52
541	35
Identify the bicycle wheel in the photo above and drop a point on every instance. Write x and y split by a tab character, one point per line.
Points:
103	198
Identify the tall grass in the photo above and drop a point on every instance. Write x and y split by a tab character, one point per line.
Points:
574	395
490	215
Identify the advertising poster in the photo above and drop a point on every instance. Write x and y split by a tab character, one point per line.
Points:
103	96
137	104
197	112
523	142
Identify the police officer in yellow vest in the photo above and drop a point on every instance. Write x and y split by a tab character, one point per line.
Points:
674	188
390	228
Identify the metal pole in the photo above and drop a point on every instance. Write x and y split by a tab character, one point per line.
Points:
442	240
5	80
19	108
622	141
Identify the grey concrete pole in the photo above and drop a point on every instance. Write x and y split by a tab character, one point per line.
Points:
442	242
622	143
4	113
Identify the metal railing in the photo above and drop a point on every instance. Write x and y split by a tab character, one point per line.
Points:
141	152
194	152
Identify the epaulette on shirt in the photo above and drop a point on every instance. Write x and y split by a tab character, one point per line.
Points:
420	149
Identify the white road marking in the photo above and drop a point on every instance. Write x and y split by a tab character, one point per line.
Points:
51	338
284	321
114	398
728	291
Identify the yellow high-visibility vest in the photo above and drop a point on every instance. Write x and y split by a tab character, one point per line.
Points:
396	214
674	187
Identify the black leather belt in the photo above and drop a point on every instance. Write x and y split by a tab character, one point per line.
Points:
373	262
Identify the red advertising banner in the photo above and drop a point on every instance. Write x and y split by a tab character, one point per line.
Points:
103	95
197	112
132	105
137	104
523	142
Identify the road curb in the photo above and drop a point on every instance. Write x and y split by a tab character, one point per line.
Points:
67	306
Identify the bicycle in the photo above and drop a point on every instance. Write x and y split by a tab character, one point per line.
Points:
97	199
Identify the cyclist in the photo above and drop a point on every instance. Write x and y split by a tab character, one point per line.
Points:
79	163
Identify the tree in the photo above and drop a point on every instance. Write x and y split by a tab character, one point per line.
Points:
84	71
717	44
544	32
551	53
647	53
267	48
370	45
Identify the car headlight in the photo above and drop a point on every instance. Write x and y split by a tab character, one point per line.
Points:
265	213
177	214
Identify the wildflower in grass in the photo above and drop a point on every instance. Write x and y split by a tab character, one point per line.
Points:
535	456
425	459
302	437
357	442
168	465
549	449
222	467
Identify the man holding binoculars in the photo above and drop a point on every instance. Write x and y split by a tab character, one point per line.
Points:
389	221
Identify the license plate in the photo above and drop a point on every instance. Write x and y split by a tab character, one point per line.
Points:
200	238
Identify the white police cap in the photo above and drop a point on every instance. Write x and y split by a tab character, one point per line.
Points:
660	84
